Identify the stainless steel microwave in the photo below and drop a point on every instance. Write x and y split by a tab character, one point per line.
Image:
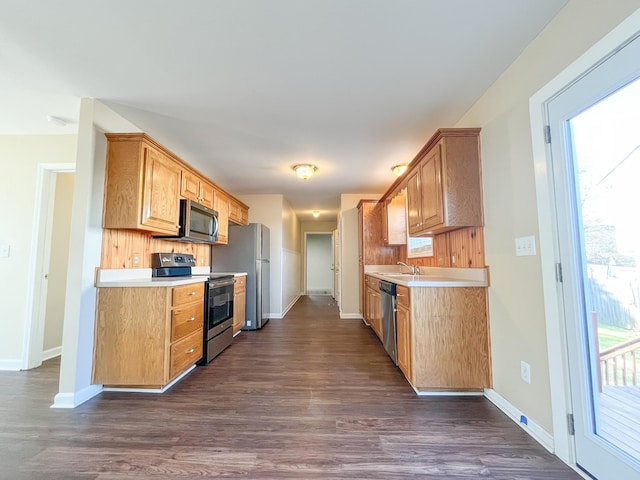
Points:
197	224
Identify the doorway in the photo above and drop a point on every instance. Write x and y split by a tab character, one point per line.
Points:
595	157
319	276
53	222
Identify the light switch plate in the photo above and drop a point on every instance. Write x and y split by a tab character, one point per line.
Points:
5	250
525	246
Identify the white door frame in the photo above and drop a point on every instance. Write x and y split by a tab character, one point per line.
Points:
304	283
39	255
556	338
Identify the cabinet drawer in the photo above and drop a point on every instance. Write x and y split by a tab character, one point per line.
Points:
186	320
373	282
188	293
185	352
403	295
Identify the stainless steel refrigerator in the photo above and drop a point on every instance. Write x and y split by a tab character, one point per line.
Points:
248	251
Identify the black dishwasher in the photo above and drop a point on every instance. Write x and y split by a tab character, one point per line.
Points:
388	296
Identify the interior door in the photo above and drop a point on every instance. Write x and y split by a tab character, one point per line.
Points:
595	150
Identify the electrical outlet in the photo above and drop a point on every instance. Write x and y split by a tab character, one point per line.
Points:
136	259
525	246
525	372
4	251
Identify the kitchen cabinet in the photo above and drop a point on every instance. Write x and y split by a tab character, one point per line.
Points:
373	305
444	190
239	303
221	205
147	336
142	185
238	212
443	338
404	332
394	219
196	188
371	247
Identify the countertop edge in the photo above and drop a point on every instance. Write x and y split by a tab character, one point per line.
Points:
436	282
150	282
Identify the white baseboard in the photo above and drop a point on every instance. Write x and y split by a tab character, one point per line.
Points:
543	437
72	400
422	393
51	353
286	310
13	365
355	316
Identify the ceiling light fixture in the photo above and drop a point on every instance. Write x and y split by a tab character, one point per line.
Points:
399	169
315	213
305	170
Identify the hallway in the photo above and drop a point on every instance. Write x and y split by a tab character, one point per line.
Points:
307	397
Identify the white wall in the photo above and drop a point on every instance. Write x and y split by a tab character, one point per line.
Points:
349	270
20	156
85	242
57	276
267	209
516	302
319	255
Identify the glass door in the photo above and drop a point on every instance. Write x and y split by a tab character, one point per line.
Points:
595	147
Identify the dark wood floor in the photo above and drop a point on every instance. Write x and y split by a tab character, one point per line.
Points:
307	397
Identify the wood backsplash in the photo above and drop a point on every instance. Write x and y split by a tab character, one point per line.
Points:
466	246
119	247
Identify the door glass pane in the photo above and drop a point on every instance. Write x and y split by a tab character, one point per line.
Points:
606	144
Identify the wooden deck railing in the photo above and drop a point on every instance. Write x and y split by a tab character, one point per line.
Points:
619	364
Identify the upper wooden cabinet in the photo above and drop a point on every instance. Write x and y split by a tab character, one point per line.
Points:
221	205
196	188
238	212
394	219
444	186
142	185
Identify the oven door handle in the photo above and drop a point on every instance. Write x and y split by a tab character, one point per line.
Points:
222	283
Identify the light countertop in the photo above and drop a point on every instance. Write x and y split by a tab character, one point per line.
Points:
141	277
430	276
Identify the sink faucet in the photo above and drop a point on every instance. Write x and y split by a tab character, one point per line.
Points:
415	269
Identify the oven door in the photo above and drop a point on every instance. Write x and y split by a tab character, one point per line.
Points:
219	303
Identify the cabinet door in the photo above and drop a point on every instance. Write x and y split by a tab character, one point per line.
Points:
206	194
414	203
190	186
221	205
403	331
161	198
432	208
239	310
395	220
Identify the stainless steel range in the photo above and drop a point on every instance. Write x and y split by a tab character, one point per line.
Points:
218	304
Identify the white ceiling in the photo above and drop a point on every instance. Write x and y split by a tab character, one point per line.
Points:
244	89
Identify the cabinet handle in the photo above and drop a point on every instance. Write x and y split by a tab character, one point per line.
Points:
191	319
191	350
399	295
191	294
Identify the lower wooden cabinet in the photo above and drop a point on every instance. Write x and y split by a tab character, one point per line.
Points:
444	336
403	333
373	304
147	336
239	303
